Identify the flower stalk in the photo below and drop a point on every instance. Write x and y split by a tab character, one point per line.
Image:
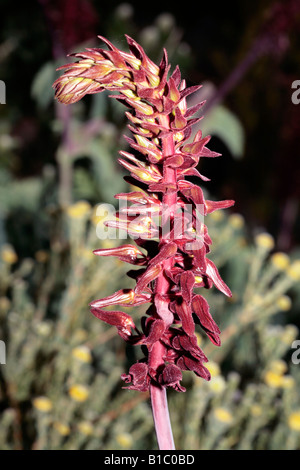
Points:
165	219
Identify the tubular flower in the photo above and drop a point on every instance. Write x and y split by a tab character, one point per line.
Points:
165	217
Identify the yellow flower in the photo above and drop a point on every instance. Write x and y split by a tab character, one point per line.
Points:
82	353
280	261
8	254
294	270
217	216
124	440
62	428
217	384
236	221
278	366
289	334
199	338
265	241
223	415
79	392
85	427
294	421
273	379
284	303
42	404
43	328
213	368
95	218
79	209
288	382
256	410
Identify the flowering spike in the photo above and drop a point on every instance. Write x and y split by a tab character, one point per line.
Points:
177	245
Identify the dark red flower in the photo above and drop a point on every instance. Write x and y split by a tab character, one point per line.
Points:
165	218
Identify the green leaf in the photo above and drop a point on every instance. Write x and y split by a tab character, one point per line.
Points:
107	173
20	194
224	124
41	88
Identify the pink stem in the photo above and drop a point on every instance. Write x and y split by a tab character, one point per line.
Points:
161	418
158	393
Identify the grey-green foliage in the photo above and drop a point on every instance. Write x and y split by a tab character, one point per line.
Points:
224	124
41	87
23	194
44	318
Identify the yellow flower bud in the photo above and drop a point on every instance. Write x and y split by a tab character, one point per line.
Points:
8	254
284	303
42	404
256	410
199	338
289	334
278	366
124	440
82	354
236	221
79	392
85	428
43	328
294	421
61	428
95	218
280	260
217	216
294	270
79	209
265	241
273	379
288	382
213	368
223	415
217	384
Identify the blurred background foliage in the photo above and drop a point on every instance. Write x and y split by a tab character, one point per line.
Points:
60	387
